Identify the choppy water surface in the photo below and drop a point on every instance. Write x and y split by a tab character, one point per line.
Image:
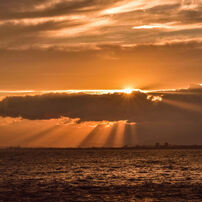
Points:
100	175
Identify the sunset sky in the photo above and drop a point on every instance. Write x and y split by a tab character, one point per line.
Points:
77	73
100	44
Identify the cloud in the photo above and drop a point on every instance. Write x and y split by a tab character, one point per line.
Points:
101	120
110	107
56	22
172	26
128	6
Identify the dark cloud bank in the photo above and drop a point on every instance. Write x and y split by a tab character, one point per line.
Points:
177	118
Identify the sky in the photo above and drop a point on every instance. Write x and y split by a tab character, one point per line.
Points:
84	73
100	44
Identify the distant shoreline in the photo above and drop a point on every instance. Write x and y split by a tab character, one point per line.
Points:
161	147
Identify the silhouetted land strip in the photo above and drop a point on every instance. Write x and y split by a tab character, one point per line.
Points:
139	147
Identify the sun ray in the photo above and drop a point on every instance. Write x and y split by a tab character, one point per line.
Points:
129	137
184	105
37	137
120	133
110	141
92	138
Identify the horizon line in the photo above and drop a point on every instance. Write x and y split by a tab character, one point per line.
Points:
95	91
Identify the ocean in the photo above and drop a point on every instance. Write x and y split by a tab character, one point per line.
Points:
100	174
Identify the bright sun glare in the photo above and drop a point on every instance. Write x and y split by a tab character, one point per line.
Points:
128	90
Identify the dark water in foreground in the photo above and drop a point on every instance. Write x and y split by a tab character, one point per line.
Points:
100	175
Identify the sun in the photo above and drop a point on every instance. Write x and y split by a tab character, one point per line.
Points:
128	90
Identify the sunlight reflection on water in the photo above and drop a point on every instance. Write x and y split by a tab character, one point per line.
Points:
101	172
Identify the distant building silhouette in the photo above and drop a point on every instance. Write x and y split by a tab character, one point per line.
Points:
166	144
